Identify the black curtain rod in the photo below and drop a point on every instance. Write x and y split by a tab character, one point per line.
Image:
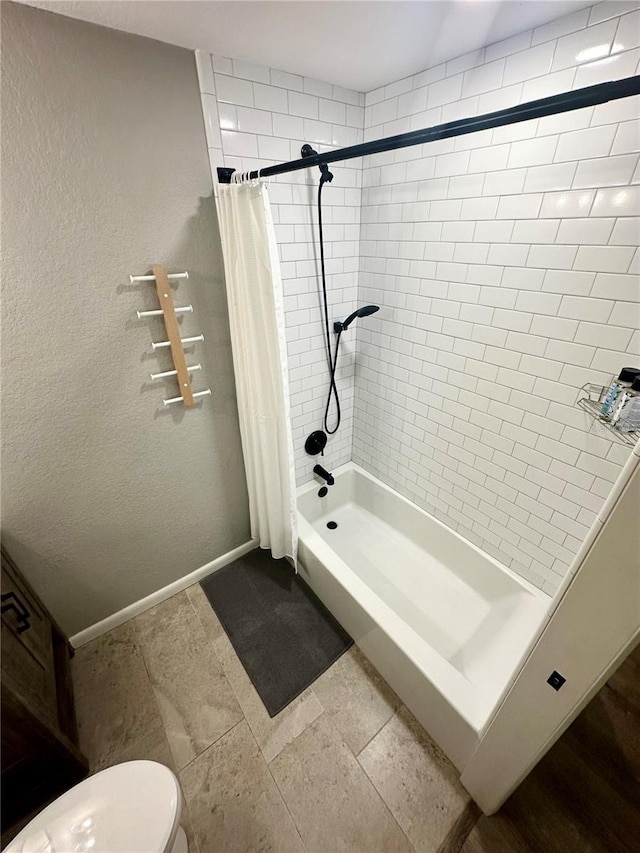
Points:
567	101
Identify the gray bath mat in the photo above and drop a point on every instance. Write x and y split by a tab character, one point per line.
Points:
281	631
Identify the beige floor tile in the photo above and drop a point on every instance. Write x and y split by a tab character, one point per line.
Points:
416	781
334	804
205	612
271	733
233	800
196	702
151	746
356	697
114	701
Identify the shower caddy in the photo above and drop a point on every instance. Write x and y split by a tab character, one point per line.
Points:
182	371
590	400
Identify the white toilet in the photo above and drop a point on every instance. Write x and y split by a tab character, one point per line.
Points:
130	808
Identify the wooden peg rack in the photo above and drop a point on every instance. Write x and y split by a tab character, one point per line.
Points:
165	298
181	371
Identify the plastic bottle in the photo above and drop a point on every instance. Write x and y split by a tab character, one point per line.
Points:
629	417
621	385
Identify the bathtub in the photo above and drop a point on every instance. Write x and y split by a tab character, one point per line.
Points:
443	622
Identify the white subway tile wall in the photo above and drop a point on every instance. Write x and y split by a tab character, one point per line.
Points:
255	117
503	262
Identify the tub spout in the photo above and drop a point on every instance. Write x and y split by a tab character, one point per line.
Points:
319	470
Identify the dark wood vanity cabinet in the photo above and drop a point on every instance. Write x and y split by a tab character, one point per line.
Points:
40	754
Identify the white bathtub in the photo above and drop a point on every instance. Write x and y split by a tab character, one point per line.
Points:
444	623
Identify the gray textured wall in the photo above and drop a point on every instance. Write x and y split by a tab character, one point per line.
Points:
106	497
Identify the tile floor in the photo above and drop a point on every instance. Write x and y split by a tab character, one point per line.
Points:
345	767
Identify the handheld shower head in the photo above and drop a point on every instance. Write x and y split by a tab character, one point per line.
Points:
325	175
365	311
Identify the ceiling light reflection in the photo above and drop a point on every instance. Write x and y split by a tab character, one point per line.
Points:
591	53
620	198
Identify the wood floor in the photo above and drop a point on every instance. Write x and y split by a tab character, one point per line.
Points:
584	796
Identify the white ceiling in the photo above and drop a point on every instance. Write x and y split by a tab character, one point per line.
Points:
358	44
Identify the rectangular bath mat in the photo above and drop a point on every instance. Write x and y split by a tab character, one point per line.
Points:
281	631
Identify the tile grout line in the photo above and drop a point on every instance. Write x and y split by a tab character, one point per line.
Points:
237	695
141	647
378	794
382	799
439	752
278	789
217	740
357	757
394	714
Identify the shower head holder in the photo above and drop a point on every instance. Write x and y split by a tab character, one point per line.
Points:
325	175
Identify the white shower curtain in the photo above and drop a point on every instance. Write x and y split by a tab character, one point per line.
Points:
256	316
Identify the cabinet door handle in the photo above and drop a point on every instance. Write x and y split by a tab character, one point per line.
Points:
22	614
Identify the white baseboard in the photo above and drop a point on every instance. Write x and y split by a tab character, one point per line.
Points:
149	601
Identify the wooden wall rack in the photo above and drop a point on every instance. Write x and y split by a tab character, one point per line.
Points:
182	371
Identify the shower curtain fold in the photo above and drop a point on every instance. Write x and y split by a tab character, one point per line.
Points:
256	319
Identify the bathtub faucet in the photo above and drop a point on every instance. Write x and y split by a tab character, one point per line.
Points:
319	470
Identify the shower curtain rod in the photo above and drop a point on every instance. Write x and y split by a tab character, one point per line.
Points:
565	102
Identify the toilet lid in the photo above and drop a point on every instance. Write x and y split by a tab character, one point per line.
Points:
130	808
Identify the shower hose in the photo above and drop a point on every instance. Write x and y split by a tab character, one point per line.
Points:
332	360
